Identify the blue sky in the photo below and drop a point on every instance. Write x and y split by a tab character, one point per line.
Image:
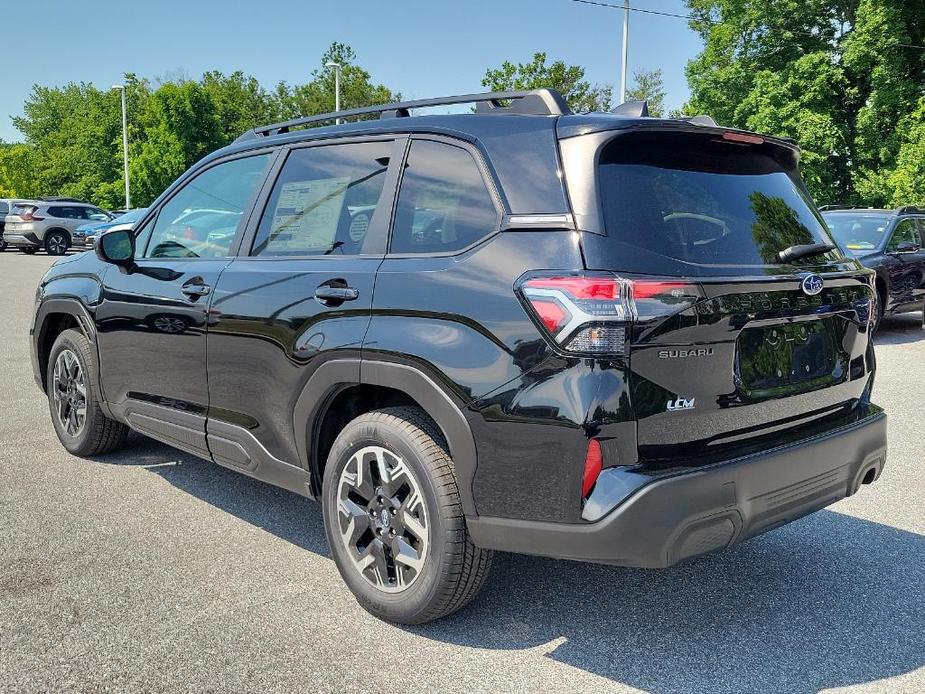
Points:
421	48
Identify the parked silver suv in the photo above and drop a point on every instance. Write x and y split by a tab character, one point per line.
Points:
6	206
49	224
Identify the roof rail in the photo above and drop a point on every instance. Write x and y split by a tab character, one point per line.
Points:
58	198
909	209
535	102
829	208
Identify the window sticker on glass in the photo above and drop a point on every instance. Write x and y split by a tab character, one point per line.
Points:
308	212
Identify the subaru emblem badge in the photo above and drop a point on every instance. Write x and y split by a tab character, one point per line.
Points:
811	285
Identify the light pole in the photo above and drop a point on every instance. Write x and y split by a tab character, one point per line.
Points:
626	34
128	197
337	68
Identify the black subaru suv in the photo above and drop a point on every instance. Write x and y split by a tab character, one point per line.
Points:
603	337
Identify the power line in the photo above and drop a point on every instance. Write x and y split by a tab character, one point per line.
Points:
690	17
635	9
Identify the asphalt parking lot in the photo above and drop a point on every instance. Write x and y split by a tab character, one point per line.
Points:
152	570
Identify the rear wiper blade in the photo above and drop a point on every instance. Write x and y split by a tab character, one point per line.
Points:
803	251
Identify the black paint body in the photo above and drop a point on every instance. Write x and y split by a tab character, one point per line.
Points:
246	374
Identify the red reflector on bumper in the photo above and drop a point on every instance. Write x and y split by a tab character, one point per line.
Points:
594	461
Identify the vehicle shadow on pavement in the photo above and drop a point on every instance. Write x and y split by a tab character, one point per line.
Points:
287	515
900	330
829	601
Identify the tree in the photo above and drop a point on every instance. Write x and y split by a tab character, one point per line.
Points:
16	174
649	86
568	80
74	133
906	183
318	95
836	75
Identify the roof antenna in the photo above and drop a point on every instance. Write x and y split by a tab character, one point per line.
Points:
637	109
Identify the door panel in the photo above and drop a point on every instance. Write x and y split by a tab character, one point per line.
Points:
269	334
304	294
153	318
152	335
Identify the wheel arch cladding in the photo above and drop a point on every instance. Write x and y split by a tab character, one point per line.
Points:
384	384
54	316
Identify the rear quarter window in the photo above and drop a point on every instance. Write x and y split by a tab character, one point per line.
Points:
679	204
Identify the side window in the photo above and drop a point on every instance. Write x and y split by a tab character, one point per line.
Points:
444	204
921	222
905	232
4	208
201	219
59	212
96	214
323	200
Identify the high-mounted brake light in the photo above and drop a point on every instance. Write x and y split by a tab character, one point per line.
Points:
591	313
742	137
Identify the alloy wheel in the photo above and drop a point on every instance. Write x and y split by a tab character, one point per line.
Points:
169	324
382	519
69	390
57	244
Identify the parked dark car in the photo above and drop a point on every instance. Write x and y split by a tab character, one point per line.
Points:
603	337
892	243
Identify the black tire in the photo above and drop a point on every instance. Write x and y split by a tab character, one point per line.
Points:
453	569
98	433
3	245
879	310
28	250
57	243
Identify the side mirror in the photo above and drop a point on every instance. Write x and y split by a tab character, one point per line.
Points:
906	247
117	246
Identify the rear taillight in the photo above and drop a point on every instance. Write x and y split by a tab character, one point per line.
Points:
592	313
30	216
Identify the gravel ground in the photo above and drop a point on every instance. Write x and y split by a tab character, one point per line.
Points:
151	570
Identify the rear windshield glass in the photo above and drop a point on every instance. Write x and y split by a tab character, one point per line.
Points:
858	233
22	209
682	204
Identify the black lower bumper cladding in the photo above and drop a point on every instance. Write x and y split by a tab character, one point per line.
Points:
708	509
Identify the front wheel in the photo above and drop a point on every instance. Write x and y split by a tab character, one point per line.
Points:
394	520
74	399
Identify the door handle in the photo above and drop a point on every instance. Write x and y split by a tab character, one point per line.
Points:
196	288
326	293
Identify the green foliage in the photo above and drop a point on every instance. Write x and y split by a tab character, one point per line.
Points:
649	86
73	134
839	76
906	182
16	176
568	80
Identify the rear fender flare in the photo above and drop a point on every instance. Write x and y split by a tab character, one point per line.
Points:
335	375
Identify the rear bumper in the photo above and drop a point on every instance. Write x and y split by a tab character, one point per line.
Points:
709	509
22	240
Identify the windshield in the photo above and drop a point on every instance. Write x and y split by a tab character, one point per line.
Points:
132	216
858	233
679	204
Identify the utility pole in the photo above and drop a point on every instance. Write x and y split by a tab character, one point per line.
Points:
337	69
626	34
128	197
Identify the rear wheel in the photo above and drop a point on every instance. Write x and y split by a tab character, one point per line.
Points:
56	243
394	520
3	245
74	399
